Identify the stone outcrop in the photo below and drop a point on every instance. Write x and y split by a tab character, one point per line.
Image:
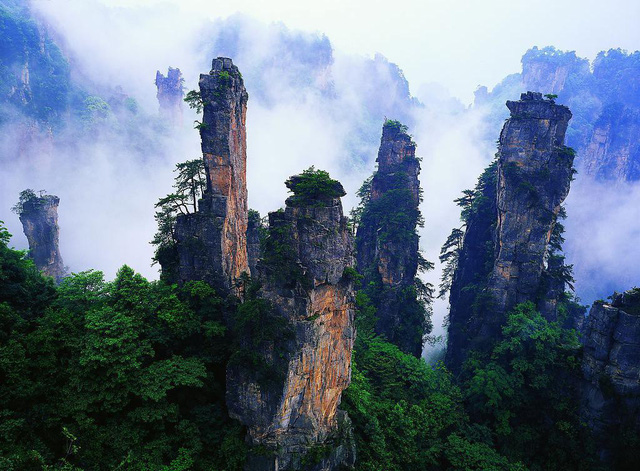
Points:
290	403
387	247
548	70
610	392
533	175
39	218
170	95
212	243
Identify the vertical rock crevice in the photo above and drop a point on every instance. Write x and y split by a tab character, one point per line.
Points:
255	234
505	252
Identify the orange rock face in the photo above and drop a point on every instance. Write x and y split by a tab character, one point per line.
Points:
212	244
322	370
224	145
312	364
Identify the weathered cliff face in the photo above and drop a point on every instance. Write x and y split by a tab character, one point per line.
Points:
387	241
291	409
613	149
533	176
212	243
170	95
548	71
610	392
35	78
39	218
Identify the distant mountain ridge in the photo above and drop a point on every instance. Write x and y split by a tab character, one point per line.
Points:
604	97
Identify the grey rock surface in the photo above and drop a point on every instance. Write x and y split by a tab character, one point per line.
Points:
610	390
39	218
533	177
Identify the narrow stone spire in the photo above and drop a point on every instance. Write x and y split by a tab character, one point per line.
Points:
39	218
533	176
212	243
387	241
288	395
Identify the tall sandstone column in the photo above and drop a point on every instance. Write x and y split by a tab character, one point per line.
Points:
39	218
212	243
534	172
301	353
386	240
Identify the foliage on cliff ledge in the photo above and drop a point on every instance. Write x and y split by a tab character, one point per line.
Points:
259	330
525	393
29	196
313	188
476	205
394	124
189	186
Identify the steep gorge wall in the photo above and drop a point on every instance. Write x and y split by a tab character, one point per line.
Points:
291	409
212	243
533	175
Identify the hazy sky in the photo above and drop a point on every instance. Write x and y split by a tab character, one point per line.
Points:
459	43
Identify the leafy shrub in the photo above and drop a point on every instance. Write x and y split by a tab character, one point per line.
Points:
313	188
397	125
